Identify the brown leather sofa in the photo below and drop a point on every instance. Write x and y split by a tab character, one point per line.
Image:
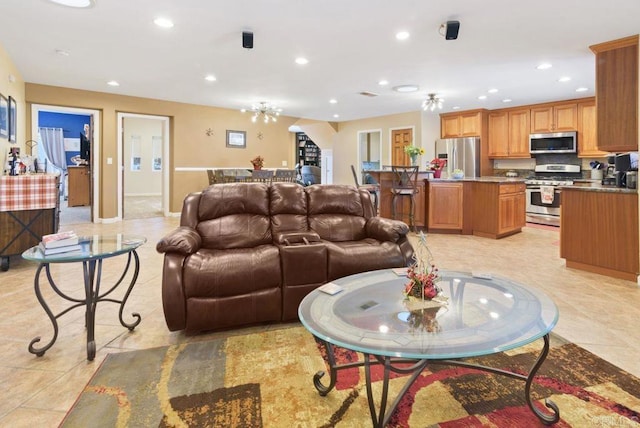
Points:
248	253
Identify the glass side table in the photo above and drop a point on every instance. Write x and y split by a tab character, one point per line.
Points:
95	249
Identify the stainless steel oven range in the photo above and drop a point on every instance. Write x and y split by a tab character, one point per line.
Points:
543	193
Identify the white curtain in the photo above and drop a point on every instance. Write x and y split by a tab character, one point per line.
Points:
53	144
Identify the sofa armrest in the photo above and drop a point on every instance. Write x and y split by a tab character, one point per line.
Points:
292	238
385	229
183	240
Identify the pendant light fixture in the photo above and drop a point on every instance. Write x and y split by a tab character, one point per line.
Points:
432	102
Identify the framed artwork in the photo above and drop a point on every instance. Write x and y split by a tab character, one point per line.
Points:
13	122
237	139
4	117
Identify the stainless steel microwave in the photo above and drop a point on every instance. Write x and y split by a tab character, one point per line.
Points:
556	142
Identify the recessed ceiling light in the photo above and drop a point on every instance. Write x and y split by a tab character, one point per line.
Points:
113	83
492	91
74	3
333	101
336	115
544	66
302	61
406	88
582	89
163	22
507	100
62	52
564	79
402	35
482	97
210	78
383	82
455	108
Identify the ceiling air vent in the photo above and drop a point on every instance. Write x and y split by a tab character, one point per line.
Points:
368	94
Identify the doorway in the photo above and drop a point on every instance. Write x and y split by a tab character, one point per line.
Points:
142	157
369	150
400	138
65	118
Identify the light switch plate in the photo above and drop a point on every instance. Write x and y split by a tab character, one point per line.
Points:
109	161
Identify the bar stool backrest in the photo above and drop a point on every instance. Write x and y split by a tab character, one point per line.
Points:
405	179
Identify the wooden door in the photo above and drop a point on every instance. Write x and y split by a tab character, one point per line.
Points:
565	118
498	135
400	138
541	119
519	134
587	132
449	126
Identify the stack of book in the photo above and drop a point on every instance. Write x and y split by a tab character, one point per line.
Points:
57	243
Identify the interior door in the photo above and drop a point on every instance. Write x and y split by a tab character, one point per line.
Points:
400	138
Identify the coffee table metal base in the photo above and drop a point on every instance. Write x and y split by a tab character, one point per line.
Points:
92	270
380	418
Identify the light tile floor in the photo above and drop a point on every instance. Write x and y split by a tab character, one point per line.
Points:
601	314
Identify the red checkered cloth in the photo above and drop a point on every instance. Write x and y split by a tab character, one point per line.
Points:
28	192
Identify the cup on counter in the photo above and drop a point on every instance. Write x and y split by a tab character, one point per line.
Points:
596	174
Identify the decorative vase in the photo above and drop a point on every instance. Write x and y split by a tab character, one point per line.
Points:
414	159
257	167
437	173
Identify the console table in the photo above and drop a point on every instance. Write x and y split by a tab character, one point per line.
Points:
483	316
95	249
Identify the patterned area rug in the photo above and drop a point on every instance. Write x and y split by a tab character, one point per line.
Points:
265	380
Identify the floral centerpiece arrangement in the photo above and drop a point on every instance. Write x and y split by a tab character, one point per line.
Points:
413	153
437	165
423	277
257	162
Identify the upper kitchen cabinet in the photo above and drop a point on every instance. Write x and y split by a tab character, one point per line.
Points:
463	124
554	118
617	94
509	133
587	130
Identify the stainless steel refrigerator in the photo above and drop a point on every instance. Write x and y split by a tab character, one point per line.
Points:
460	153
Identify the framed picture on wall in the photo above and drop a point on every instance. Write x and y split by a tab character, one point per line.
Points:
4	117
13	122
237	139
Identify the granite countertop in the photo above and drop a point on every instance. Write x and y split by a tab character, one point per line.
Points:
596	186
486	179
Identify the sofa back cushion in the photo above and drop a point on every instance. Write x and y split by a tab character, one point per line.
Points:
288	207
336	212
234	215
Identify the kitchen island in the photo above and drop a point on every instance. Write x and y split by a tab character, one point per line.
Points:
492	207
599	230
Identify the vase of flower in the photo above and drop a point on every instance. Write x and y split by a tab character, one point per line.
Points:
414	159
437	173
413	152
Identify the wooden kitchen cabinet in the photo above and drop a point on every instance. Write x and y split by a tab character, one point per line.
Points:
617	94
465	124
79	191
604	241
498	208
445	205
587	131
509	134
554	118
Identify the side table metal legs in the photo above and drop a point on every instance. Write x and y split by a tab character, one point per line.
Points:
381	417
92	270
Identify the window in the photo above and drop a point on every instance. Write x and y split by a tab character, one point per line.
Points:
156	153
136	160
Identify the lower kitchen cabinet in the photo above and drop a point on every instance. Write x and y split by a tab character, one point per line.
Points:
498	209
79	191
445	205
599	231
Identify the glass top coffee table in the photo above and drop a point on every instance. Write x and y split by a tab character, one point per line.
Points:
482	316
94	250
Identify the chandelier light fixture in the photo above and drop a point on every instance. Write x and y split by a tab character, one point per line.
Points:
432	102
268	112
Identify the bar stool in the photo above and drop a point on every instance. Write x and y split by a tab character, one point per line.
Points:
262	175
404	184
373	189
